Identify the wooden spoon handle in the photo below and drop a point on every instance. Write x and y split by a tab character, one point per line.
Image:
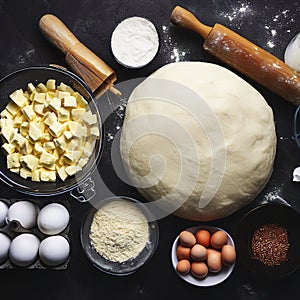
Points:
57	33
185	19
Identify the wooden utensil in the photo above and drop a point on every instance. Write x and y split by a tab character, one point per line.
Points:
244	56
81	60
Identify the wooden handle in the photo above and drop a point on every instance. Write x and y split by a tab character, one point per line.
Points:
58	33
185	19
244	56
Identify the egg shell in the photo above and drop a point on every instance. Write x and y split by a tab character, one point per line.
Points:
187	239
228	255
199	269
214	261
183	267
53	219
23	250
198	252
54	250
4	247
183	252
24	212
218	239
3	213
203	237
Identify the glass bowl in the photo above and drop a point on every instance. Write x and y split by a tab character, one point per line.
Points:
211	278
129	266
20	79
272	213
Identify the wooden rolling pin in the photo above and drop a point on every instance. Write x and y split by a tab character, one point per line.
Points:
244	56
81	60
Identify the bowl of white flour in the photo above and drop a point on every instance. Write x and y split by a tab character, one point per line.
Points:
119	235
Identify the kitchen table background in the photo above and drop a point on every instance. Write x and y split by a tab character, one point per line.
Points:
269	24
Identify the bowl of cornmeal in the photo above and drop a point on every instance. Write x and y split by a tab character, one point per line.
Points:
119	235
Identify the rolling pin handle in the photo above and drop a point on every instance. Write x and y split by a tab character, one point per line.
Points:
185	19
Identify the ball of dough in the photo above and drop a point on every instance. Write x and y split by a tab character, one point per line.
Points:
198	140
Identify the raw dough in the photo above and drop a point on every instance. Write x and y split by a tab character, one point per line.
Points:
199	139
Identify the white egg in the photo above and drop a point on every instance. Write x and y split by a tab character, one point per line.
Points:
54	250
24	212
4	247
292	53
23	250
3	213
53	219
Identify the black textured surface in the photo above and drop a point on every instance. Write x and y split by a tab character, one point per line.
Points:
269	24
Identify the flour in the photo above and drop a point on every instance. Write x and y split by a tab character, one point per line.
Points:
119	231
134	42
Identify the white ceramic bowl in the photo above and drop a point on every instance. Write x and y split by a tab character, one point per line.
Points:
211	278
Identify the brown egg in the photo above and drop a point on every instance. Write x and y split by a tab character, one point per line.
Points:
214	261
198	252
183	267
218	239
203	237
183	252
228	255
187	239
199	269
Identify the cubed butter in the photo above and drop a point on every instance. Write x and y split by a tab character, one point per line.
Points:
39	97
47	159
63	115
49	146
41	88
35	175
25	173
50	118
8	148
28	112
70	101
55	104
89	118
12	108
35	132
51	84
72	170
47	175
29	161
13	161
30	88
56	129
18	98
62	173
77	114
68	135
39	108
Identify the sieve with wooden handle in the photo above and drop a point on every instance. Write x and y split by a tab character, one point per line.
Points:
244	56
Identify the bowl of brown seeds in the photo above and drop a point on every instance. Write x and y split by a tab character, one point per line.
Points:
268	240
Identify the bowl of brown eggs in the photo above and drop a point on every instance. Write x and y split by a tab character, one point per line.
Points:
203	255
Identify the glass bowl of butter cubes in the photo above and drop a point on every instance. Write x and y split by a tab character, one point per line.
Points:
50	130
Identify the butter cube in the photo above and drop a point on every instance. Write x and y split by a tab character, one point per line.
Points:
6	114
39	97
55	104
68	135
56	129
71	157
18	139
39	108
8	148
62	95
18	98
63	115
29	161
46	137
24	127
30	87
13	160
35	132
41	88
72	170
47	159
50	118
49	146
88	149
7	133
82	162
60	144
94	132
51	84
48	175
81	102
28	112
62	173
38	149
12	108
77	114
35	175
27	148
89	118
65	88
25	173
15	170
73	127
7	123
70	101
